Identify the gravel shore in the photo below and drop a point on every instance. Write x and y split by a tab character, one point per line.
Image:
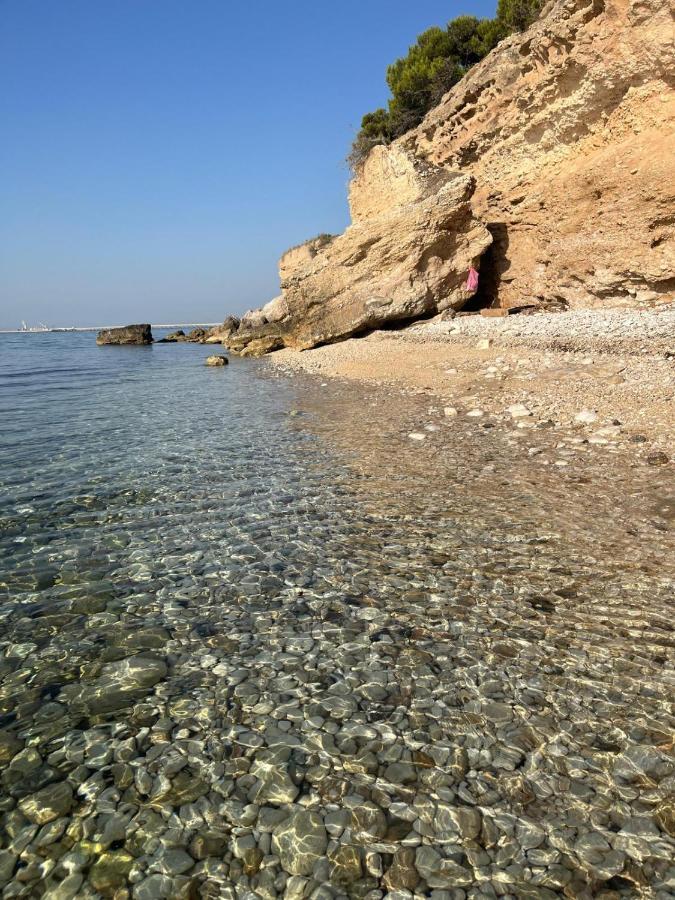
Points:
612	331
587	370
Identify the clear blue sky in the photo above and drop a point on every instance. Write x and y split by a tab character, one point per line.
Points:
157	156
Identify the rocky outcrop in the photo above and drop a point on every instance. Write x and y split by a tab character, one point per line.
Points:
566	132
216	361
569	131
129	334
197	335
176	337
219	333
403	257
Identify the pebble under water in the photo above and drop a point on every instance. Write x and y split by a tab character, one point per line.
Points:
255	643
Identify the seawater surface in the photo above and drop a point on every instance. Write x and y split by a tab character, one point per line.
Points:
255	644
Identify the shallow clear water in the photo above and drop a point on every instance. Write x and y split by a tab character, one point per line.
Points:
248	652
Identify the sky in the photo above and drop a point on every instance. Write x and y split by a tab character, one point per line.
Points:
158	156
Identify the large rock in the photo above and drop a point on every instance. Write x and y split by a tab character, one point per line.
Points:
569	132
253	318
197	335
219	333
128	334
407	254
276	310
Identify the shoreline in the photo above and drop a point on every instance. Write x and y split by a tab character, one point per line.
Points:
306	640
607	377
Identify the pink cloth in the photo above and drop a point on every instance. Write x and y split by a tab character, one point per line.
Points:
472	280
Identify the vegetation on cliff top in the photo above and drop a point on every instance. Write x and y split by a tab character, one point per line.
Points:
437	61
319	240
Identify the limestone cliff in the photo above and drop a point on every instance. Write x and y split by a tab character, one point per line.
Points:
569	131
403	257
552	160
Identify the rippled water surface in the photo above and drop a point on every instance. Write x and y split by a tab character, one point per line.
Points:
255	643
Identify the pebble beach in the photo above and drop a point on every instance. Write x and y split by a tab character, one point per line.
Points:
367	645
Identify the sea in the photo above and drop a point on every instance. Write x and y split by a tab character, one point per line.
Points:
256	642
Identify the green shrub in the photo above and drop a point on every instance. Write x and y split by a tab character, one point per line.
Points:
435	63
375	129
319	240
517	15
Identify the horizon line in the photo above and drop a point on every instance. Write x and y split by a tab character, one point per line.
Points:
102	327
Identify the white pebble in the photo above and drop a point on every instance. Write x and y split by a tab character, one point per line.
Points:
586	416
519	411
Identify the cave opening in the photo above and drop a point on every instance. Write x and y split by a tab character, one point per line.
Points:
493	264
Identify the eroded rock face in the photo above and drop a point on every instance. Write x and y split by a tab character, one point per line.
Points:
406	255
129	334
391	177
300	256
219	333
568	130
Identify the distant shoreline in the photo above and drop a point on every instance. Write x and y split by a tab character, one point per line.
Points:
68	328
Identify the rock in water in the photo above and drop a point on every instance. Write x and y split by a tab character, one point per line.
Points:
119	684
50	803
197	335
129	334
110	871
216	360
174	338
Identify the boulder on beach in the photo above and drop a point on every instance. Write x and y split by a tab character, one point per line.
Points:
128	334
216	360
